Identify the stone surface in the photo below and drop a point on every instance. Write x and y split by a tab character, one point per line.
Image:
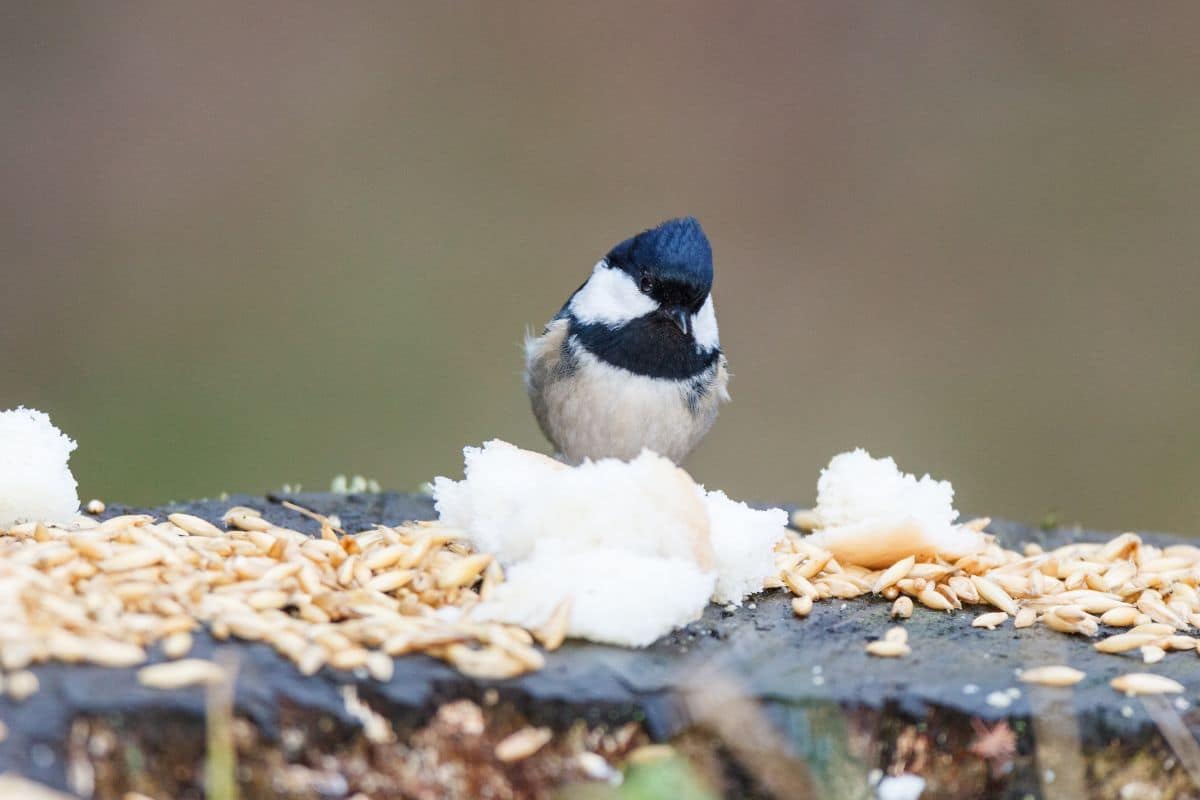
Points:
811	683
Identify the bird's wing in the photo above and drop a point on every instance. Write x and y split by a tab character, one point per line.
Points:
545	362
544	354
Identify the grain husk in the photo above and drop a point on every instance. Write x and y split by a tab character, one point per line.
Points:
888	649
522	744
1052	675
180	674
990	620
1143	683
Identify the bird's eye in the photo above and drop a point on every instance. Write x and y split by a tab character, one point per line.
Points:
646	284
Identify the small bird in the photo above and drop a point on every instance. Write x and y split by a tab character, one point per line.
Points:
633	359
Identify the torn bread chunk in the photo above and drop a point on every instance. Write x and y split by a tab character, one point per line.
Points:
511	499
637	547
617	597
743	540
872	514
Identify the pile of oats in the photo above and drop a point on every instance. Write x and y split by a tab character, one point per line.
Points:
1151	592
107	592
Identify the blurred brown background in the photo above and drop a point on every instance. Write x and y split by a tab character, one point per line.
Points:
244	246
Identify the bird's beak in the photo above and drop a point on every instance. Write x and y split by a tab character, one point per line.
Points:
680	317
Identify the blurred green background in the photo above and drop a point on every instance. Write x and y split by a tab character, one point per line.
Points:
249	245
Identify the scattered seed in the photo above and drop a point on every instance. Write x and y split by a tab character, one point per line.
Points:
380	665
1094	602
1069	613
124	521
1120	617
95	507
1186	594
1120	547
522	744
507	643
21	685
931	598
990	620
267	598
1068	619
1025	618
902	608
115	654
483	663
463	572
994	595
813	565
1014	585
1145	683
1156	628
651	753
930	572
1178	642
1150	604
131	559
246	520
887	649
180	674
195	525
310	660
963	589
389	582
1056	675
554	631
802	606
798	584
1124	642
177	645
385	557
894	574
844	589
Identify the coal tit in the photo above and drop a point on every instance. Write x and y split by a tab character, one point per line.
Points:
633	359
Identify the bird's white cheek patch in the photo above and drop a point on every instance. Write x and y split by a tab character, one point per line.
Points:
704	326
610	297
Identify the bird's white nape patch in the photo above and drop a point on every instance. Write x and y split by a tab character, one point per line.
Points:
704	326
610	297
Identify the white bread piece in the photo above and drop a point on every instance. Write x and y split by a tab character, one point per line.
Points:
744	542
512	499
617	597
873	515
36	484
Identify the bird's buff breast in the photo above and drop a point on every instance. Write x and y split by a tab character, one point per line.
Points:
597	410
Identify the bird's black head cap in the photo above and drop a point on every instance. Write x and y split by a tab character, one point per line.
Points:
673	261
